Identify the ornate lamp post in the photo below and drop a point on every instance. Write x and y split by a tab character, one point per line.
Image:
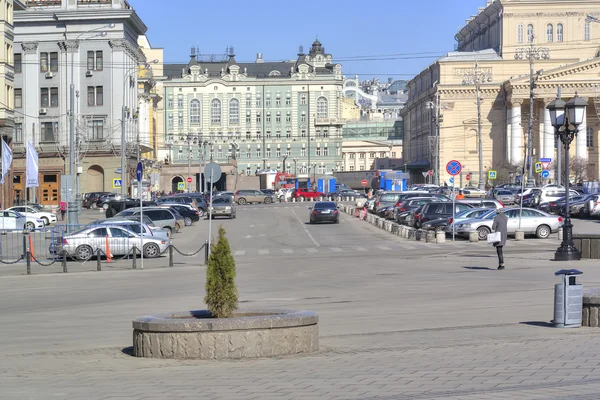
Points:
295	167
566	118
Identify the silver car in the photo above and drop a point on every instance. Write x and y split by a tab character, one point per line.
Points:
161	217
504	196
222	206
135	227
84	244
533	222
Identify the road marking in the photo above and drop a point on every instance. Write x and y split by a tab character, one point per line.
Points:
287	251
239	253
263	252
262	235
311	250
361	249
383	248
336	249
306	230
248	237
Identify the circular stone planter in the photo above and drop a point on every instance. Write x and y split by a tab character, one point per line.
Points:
250	333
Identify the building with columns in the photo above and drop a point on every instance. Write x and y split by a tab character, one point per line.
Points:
493	50
92	45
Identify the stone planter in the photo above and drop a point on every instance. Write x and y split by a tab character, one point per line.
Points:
250	333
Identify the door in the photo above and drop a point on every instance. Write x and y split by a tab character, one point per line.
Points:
49	189
119	241
95	179
513	220
9	220
96	239
18	187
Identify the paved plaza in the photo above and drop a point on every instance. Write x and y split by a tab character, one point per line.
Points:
398	320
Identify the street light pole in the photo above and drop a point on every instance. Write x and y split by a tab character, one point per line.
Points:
295	160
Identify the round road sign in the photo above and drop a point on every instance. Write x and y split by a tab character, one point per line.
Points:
453	167
189	179
430	172
212	172
364	183
469	177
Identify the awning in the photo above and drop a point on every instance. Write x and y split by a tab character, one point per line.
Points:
424	165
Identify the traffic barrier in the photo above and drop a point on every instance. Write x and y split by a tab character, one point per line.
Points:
422	234
294	200
431	237
473	236
519	235
440	237
31	249
108	253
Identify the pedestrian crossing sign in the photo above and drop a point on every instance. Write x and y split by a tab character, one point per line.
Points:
492	175
117	183
538	167
180	185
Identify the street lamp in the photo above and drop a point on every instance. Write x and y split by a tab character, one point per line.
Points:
284	157
566	119
295	160
190	138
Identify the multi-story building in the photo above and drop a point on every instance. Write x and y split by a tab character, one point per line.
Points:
252	117
91	45
493	50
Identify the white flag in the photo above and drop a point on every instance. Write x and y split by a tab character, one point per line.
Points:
32	167
6	160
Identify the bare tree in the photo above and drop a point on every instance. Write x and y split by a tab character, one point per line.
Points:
579	169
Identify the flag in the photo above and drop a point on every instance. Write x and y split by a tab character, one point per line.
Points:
32	167
6	160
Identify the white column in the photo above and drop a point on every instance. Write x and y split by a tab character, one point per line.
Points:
516	142
548	149
581	142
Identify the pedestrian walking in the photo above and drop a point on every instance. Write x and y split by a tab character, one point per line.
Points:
500	225
63	210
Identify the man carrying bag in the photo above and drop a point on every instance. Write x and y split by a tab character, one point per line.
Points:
498	238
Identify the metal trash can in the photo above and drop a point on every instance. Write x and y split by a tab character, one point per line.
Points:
568	299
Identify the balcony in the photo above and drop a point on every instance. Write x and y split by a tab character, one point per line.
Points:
327	121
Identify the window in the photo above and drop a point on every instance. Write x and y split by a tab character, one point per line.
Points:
268	134
99	95
18	63
318	151
382	154
195	111
43	62
180	119
303	99
19	133
248	134
587	34
268	103
91	62
559	32
278	118
258	117
258	152
170	103
99	60
362	168
248	152
361	155
215	111
44	97
351	168
590	136
96	129
54	62
248	103
352	155
372	155
18	98
288	118
393	154
326	151
234	111
278	134
288	102
220	154
248	117
520	33
303	117
322	107
258	103
277	101
530	35
268	152
268	119
180	102
303	132
288	152
47	134
550	33
95	95
288	132
170	119
303	152
325	132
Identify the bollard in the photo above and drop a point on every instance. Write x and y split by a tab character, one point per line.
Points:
64	261
134	266
294	200
431	237
422	235
440	237
473	236
98	263
519	235
560	234
28	259
170	255
206	253
301	199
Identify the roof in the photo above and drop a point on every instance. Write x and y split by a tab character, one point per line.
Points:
481	55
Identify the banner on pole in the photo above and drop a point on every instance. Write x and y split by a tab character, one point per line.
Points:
7	157
31	167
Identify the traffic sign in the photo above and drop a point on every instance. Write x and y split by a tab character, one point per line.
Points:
453	167
468	177
364	183
545	174
543	160
492	175
452	180
117	183
212	172
425	174
538	167
430	172
139	171
545	164
189	179
180	185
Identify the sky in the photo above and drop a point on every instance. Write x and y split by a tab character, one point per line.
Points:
389	38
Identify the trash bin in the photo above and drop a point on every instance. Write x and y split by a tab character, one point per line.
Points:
568	299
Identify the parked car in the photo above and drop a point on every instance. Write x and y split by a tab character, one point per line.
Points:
13	220
90	199
533	221
85	243
553	194
301	194
222	206
246	196
269	192
161	217
482	203
105	199
134	226
341	193
557	206
474	213
324	211
189	213
403	211
472	191
47	217
197	202
439	209
503	196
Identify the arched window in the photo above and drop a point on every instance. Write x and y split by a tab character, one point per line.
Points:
520	33
587	35
530	35
215	111
550	33
195	111
559	32
322	107
234	111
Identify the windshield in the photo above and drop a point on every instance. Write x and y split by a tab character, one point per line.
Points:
221	200
125	213
325	206
389	197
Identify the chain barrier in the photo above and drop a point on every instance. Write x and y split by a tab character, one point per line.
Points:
189	254
41	263
12	262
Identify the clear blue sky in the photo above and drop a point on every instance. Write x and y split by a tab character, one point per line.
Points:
389	30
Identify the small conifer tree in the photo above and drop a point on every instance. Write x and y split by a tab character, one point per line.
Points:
221	292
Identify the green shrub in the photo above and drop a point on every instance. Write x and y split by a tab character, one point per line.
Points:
221	292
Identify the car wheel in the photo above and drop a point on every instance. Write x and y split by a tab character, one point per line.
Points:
268	200
46	221
320	198
177	227
94	206
234	216
151	250
105	206
84	252
169	231
30	226
543	231
187	221
241	201
482	232
300	198
201	212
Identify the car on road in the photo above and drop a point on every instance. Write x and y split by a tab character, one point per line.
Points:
403	211
533	222
135	227
303	194
556	206
222	206
105	199
90	199
248	196
503	196
47	217
161	217
85	243
472	191
324	211
190	214
473	213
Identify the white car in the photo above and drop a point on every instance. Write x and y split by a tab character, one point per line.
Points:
11	220
47	217
472	191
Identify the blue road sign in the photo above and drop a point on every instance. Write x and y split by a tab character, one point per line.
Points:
139	171
452	180
117	182
545	174
453	167
543	160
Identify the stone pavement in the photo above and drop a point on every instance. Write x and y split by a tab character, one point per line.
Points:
424	323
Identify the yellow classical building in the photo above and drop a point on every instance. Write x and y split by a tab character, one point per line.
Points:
495	49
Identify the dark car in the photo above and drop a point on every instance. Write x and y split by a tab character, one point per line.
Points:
403	211
557	206
341	193
116	207
324	211
270	192
189	213
436	210
89	200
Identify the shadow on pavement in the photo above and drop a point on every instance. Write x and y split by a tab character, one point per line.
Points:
542	324
479	268
128	351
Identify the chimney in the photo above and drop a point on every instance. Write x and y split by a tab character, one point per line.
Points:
259	58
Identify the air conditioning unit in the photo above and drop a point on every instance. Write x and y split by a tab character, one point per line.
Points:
43	111
49	75
89	74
